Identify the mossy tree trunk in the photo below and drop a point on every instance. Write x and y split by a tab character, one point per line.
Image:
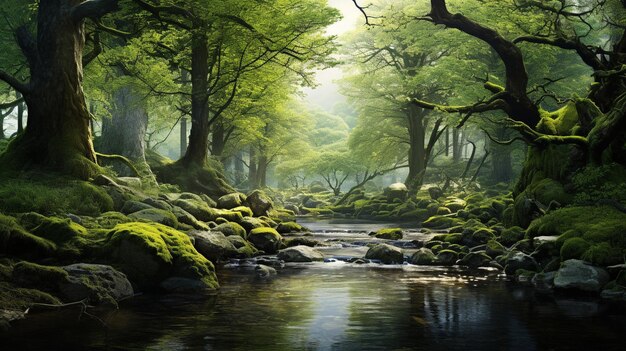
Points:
58	134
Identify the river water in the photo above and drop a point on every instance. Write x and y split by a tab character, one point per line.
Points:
339	306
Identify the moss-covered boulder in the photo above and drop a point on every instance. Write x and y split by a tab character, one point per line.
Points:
290	227
153	215
388	233
442	222
17	241
244	248
475	259
213	245
94	283
132	206
198	209
385	253
494	248
396	191
574	248
151	253
70	238
243	210
455	204
231	228
301	240
231	200
266	239
187	218
300	253
422	257
251	223
511	235
446	258
259	202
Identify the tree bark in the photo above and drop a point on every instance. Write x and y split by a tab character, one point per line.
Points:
124	133
252	168
417	151
197	150
183	136
218	140
20	115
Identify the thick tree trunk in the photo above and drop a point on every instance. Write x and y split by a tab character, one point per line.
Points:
197	150
447	142
239	176
218	140
124	133
261	172
502	168
456	145
417	150
58	133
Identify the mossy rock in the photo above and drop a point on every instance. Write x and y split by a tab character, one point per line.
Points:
388	233
245	211
422	257
184	217
475	259
51	194
150	253
110	219
302	241
604	254
446	258
494	248
512	235
266	239
454	204
574	248
290	227
230	201
71	239
132	206
153	215
231	228
385	253
441	222
250	223
17	241
244	248
197	208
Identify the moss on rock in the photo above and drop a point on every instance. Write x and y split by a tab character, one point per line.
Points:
266	239
150	253
388	233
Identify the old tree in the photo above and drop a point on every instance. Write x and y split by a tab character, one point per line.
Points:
586	136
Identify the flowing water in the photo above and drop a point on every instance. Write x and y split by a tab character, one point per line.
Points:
339	306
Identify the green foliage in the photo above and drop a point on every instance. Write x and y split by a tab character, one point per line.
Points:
594	183
16	241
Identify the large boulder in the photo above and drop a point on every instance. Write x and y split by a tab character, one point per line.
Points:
396	191
266	239
385	253
213	245
300	253
231	228
580	275
187	218
156	216
423	256
95	282
259	203
244	248
232	200
388	233
476	259
455	204
446	258
132	206
290	227
250	223
151	253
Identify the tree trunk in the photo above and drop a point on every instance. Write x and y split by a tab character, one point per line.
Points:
417	150
502	168
261	172
183	136
447	142
218	140
58	134
197	150
456	145
252	168
239	167
20	115
124	133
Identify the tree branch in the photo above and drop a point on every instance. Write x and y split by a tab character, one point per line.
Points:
21	87
93	9
586	54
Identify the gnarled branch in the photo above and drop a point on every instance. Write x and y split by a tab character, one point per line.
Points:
93	9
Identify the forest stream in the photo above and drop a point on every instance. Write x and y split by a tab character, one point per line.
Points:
336	305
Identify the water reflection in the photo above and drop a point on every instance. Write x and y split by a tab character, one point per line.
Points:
339	307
